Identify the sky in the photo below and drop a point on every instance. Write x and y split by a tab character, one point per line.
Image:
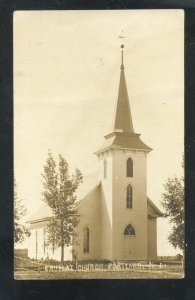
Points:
66	77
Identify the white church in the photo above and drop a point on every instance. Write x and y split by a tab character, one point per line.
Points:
117	219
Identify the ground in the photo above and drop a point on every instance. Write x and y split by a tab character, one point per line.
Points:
171	273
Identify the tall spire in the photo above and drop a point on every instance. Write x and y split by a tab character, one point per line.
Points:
123	120
123	135
122	47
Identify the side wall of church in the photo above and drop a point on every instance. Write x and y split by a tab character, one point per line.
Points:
36	240
37	244
122	216
106	221
152	238
89	218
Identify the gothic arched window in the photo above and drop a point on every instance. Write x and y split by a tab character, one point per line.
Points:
129	197
129	167
86	240
129	230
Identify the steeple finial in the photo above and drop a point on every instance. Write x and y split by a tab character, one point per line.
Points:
123	120
122	47
123	135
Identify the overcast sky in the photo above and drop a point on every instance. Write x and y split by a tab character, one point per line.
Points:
66	77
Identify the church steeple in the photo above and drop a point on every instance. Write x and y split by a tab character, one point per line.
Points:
123	120
123	135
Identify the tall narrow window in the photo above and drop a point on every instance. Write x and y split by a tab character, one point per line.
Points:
86	240
129	197
129	230
129	167
105	168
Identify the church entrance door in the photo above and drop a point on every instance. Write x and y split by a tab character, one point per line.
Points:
130	248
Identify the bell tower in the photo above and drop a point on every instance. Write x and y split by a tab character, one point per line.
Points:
123	191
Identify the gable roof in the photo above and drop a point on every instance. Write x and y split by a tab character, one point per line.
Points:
153	210
45	212
90	181
41	214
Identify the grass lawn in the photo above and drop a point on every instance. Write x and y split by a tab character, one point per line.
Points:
134	274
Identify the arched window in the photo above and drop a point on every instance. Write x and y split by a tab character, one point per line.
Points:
129	167
129	230
86	240
129	197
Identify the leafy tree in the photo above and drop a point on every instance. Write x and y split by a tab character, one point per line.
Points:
59	194
20	230
173	204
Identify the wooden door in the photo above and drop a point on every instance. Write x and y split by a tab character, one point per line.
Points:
130	248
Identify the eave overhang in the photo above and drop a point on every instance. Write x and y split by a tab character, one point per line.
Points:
156	211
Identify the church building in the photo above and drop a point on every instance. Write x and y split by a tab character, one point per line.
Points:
117	221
